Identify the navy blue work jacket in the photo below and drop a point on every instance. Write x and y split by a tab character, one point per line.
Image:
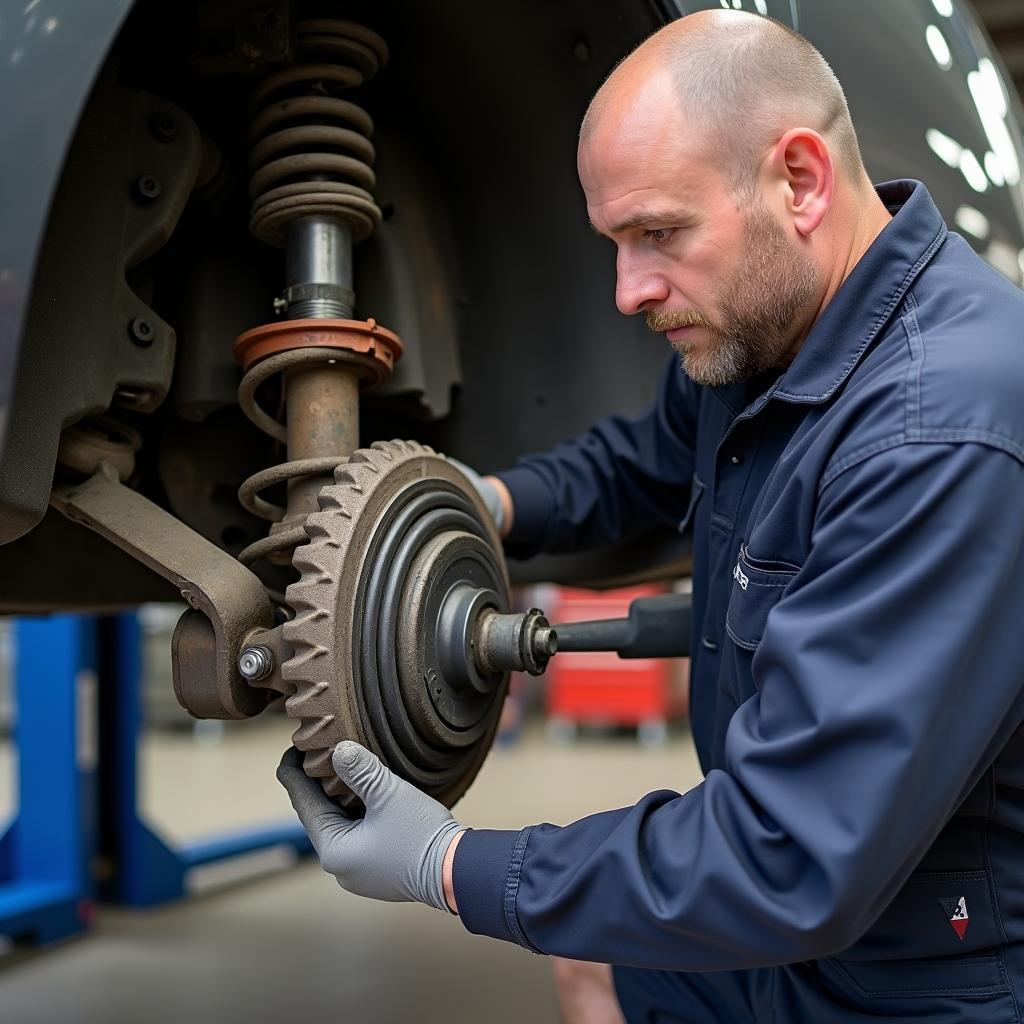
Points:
857	677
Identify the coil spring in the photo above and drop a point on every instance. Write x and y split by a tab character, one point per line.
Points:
310	157
311	152
286	535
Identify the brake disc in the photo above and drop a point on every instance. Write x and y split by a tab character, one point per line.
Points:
397	533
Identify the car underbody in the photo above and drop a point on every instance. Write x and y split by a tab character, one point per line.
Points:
280	235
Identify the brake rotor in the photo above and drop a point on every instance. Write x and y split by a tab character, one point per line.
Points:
399	532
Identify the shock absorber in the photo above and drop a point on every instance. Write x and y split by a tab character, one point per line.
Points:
311	160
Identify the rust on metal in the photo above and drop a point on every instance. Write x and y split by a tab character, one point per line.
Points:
311	165
323	418
323	363
396	528
311	151
369	371
100	439
228	602
365	337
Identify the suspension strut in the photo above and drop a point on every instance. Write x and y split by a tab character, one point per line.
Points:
311	160
380	537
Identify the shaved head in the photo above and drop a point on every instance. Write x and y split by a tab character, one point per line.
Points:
720	158
742	81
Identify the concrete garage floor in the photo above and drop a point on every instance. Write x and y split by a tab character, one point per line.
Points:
290	946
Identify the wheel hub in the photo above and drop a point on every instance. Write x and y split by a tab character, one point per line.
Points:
400	558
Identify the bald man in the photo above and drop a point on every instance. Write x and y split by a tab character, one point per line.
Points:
842	426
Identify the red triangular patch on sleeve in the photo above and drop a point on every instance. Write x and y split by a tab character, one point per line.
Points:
960	926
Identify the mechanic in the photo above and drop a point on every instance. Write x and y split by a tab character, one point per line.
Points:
846	437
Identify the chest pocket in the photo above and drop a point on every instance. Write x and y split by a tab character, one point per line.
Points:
756	588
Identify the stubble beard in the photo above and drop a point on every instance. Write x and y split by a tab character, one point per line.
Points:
759	308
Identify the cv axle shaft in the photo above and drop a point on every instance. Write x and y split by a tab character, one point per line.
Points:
655	627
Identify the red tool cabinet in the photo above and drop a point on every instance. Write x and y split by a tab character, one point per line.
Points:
601	687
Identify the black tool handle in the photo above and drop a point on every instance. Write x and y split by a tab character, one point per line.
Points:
657	627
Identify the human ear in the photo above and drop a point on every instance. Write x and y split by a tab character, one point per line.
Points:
802	164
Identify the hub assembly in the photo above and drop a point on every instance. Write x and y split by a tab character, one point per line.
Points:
402	559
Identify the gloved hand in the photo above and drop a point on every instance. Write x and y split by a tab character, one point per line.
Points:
396	852
489	494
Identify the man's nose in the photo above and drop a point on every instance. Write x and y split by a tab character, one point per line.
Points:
636	287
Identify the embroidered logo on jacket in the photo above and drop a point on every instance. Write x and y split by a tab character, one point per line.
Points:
957	911
740	576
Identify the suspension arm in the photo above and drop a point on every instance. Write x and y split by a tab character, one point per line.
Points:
227	601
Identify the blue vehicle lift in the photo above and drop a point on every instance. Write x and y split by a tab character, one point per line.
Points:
46	888
78	695
146	870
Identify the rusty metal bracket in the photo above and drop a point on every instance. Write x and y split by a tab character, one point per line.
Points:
227	601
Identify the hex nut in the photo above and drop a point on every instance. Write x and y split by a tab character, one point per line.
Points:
141	331
255	663
147	189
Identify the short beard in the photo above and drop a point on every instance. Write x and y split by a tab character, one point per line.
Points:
759	307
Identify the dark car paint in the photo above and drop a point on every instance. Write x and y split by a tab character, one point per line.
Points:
50	54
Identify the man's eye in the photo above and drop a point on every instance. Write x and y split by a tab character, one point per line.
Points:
658	234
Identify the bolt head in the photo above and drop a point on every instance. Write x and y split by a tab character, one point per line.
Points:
163	126
147	188
141	331
255	663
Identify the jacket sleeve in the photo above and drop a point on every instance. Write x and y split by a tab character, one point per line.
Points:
620	477
888	677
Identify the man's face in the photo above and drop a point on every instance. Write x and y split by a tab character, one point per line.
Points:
716	274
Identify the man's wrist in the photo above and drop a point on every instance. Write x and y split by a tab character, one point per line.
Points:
448	872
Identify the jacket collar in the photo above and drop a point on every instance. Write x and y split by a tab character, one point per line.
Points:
866	300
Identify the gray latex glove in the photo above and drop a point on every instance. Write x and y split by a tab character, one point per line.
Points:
395	853
487	491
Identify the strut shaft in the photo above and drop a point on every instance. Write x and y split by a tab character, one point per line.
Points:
318	269
323	419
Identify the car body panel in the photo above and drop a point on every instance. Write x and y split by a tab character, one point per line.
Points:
50	54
